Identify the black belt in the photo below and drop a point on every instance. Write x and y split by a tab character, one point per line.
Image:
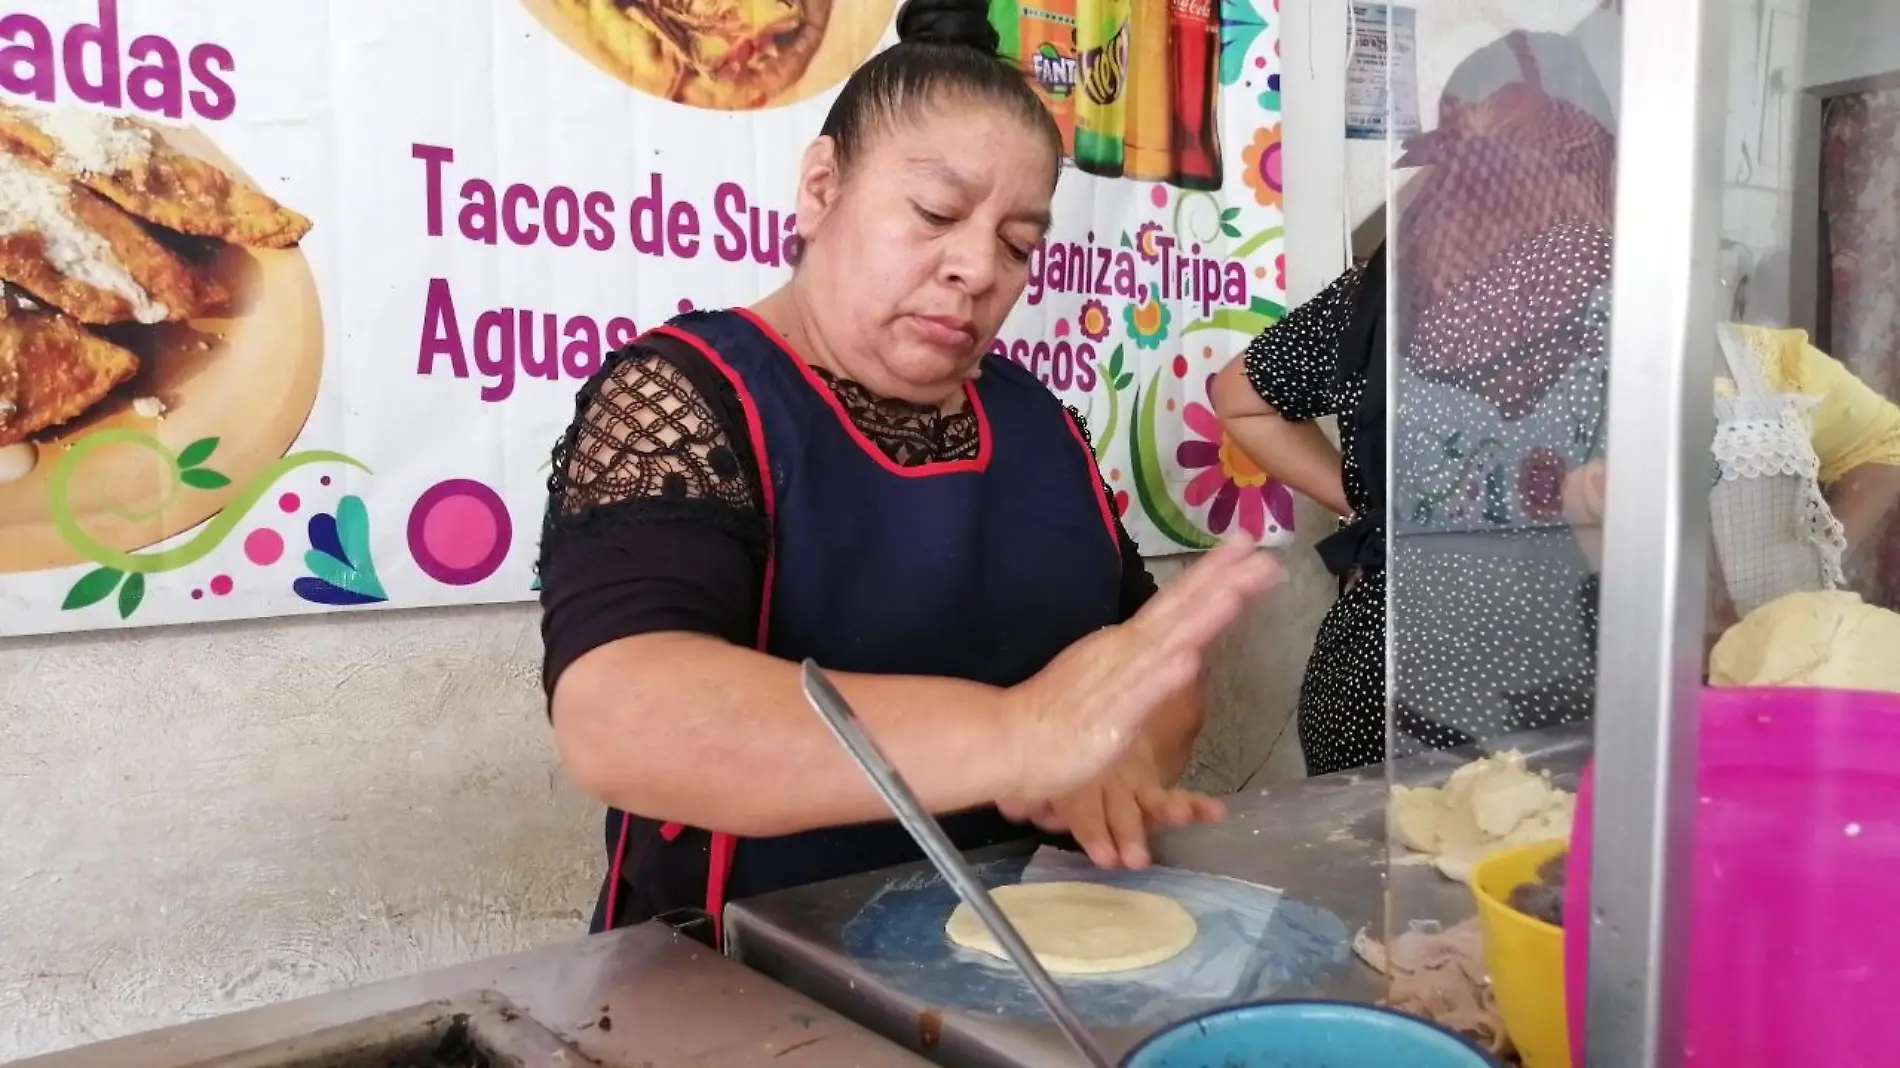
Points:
1357	546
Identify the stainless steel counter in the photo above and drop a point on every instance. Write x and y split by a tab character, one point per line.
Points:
1322	841
640	998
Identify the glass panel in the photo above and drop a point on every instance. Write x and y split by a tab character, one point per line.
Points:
1499	248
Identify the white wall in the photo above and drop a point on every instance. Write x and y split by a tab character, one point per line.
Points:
1852	39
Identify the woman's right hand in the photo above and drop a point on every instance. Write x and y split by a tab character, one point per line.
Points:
1583	509
1073	720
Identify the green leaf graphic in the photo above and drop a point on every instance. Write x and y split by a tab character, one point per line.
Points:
131	595
1124	380
1251	245
203	478
1239	320
1230	215
1151	484
92	587
197	453
1228	229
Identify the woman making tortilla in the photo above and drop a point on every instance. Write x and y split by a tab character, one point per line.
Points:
838	472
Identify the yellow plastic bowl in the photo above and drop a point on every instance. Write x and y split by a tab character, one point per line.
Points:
1525	956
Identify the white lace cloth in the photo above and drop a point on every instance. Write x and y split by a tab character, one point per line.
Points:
1774	530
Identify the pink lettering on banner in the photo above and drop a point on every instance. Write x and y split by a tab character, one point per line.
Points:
149	72
1061	365
761	235
518	212
506	345
1084	268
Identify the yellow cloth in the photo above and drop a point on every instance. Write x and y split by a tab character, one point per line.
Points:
1853	425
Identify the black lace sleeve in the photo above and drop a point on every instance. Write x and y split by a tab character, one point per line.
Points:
1293	363
1138	586
654	520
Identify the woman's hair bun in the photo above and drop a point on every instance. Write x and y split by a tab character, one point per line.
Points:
948	22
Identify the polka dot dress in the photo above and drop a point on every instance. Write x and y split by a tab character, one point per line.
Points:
1502	391
1294	367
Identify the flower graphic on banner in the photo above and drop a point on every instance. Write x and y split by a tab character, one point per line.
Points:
1264	167
1146	244
1241	24
1147	322
1237	486
342	574
1093	321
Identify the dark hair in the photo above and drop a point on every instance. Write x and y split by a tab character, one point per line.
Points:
945	47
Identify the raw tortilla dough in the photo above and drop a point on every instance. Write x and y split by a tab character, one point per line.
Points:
1830	641
1487	805
1082	928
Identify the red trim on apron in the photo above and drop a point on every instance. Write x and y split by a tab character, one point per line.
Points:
1101	487
613	878
724	846
985	440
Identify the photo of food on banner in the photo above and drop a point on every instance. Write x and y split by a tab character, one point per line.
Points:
134	263
1133	84
720	55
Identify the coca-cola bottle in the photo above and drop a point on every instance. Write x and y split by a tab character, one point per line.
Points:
1194	37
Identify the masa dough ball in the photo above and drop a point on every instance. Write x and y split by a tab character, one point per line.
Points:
1485	806
1830	640
1082	928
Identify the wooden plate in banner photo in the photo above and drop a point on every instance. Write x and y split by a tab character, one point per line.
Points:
239	388
769	54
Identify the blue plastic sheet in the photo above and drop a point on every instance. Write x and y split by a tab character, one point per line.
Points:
1253	943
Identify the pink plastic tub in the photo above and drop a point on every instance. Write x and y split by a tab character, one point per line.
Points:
1795	949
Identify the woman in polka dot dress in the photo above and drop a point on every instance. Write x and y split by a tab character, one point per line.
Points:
1312	364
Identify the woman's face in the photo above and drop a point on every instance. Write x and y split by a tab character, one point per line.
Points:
917	252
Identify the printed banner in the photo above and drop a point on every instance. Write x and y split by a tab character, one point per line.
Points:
298	296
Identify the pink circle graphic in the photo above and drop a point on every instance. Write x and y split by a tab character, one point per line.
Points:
459	532
1273	167
264	547
289	503
1159	194
1062	328
685	305
221	585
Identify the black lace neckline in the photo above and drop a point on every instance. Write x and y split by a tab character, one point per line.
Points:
910	434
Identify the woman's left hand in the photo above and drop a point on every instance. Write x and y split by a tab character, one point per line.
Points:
1112	817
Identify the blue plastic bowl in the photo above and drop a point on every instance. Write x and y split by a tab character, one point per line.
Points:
1305	1034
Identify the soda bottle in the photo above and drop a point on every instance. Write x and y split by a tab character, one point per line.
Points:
1006	19
1046	45
1148	151
1195	35
1101	45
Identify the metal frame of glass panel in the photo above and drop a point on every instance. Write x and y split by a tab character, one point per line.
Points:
1674	96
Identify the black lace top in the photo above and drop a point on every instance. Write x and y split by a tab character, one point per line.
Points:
655	521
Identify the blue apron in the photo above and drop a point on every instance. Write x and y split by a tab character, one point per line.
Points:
981	569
